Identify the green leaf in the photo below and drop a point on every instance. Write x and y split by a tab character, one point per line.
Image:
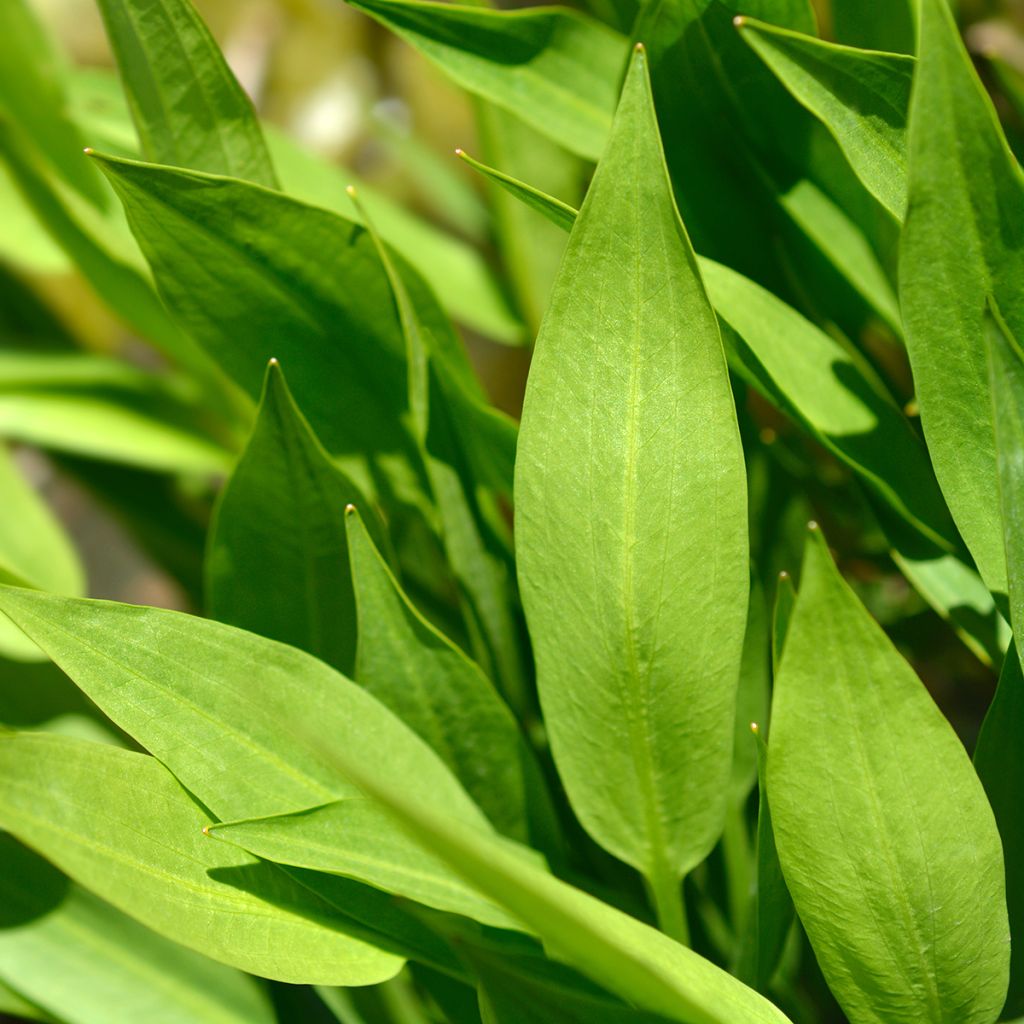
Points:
556	69
187	106
34	549
876	26
629	446
860	96
17	1006
960	244
118	823
521	990
32	92
1006	378
234	715
885	837
277	559
558	213
86	963
226	254
642	966
356	838
785	599
771	913
123	429
414	670
1000	764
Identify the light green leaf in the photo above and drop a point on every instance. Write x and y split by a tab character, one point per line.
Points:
277	559
642	966
118	823
556	69
187	106
356	838
886	840
235	706
32	92
999	761
17	1006
118	429
629	447
960	245
413	669
34	549
234	715
86	963
860	96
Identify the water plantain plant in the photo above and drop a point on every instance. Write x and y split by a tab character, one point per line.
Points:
577	717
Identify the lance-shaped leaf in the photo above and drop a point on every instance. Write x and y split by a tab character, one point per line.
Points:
886	840
639	964
227	710
860	96
999	761
889	27
418	673
118	823
556	69
188	108
960	245
34	550
85	962
238	718
277	560
628	449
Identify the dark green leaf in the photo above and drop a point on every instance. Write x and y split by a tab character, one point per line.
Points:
277	559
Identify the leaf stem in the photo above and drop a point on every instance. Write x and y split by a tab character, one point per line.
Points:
665	891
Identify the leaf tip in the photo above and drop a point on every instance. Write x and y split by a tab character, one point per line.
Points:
812	527
459	151
89	151
273	364
206	830
755	728
350	509
640	48
739	21
784	575
350	191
